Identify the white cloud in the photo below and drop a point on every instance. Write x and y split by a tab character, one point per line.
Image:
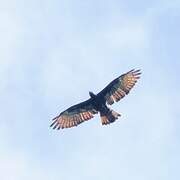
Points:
129	35
12	167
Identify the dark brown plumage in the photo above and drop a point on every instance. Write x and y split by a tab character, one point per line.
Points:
84	111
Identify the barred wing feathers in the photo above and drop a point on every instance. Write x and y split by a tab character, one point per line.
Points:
74	115
120	87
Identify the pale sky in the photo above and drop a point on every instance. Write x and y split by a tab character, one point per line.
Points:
53	52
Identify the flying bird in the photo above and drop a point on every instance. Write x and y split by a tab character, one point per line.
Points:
98	103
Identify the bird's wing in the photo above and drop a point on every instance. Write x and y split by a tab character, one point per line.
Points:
119	87
74	115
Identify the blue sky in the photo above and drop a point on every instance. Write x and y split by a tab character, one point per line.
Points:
53	53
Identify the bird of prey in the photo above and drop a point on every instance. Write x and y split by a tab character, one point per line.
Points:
84	111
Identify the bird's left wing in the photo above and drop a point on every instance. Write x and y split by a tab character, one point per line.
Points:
119	87
74	115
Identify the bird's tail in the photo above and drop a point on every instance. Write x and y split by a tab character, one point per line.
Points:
108	116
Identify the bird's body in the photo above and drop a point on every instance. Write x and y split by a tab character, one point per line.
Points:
98	102
84	111
100	106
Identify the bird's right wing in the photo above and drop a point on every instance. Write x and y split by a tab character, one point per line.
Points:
75	115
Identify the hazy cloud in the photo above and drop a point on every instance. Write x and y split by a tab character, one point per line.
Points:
53	53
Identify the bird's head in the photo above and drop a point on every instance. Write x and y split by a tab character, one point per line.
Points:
92	95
